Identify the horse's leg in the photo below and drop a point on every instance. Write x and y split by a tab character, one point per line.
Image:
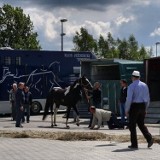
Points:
52	116
49	102
77	113
68	113
55	113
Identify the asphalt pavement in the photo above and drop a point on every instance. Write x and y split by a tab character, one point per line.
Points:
45	149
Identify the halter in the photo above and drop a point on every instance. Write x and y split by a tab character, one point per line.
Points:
83	85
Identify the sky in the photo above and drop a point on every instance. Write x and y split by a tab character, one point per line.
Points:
119	17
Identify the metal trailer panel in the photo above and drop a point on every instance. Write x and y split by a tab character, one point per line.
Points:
109	73
40	70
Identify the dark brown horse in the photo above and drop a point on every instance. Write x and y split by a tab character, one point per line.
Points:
68	97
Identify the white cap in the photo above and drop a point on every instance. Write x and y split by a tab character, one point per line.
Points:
136	73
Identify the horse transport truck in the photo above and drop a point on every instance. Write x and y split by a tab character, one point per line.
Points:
40	71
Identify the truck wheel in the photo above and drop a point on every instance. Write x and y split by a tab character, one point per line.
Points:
35	108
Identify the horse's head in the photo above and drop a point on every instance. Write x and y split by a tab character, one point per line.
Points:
85	83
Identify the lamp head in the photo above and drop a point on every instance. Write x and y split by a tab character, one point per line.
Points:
64	20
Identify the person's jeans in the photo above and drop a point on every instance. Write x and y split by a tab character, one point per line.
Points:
122	111
27	110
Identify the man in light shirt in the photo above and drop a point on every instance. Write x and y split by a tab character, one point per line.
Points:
101	115
137	102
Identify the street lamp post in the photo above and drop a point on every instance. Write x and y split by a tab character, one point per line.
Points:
156	47
62	34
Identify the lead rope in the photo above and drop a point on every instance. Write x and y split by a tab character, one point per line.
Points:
88	100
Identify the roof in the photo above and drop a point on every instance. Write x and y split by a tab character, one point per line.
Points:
124	61
116	60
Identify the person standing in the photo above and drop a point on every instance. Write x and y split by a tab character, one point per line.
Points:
96	98
27	104
122	100
97	95
12	99
19	104
137	102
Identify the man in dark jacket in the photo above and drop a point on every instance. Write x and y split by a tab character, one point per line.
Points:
27	104
123	96
19	104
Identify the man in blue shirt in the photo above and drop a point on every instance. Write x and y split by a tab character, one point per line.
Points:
137	102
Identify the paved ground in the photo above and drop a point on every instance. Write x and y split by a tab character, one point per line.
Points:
43	149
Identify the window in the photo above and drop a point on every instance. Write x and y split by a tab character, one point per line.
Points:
105	72
7	60
18	60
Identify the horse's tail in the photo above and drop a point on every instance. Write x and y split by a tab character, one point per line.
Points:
48	104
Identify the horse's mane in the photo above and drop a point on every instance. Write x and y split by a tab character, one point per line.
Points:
73	85
73	89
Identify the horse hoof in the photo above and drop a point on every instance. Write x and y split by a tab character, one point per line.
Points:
52	125
77	124
68	127
55	124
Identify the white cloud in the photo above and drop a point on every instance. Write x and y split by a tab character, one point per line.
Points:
156	32
97	28
142	2
120	17
121	20
44	22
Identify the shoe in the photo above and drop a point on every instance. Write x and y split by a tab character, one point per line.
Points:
150	143
133	147
19	126
27	121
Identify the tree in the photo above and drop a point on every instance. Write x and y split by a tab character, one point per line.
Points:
103	46
150	52
143	53
109	47
16	29
123	48
112	53
132	48
83	41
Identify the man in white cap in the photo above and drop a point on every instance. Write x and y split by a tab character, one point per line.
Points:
137	102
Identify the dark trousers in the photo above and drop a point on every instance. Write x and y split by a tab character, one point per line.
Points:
27	111
18	117
137	116
13	111
114	122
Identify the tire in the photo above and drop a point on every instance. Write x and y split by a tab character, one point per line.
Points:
35	108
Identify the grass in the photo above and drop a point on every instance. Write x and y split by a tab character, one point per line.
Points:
72	136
